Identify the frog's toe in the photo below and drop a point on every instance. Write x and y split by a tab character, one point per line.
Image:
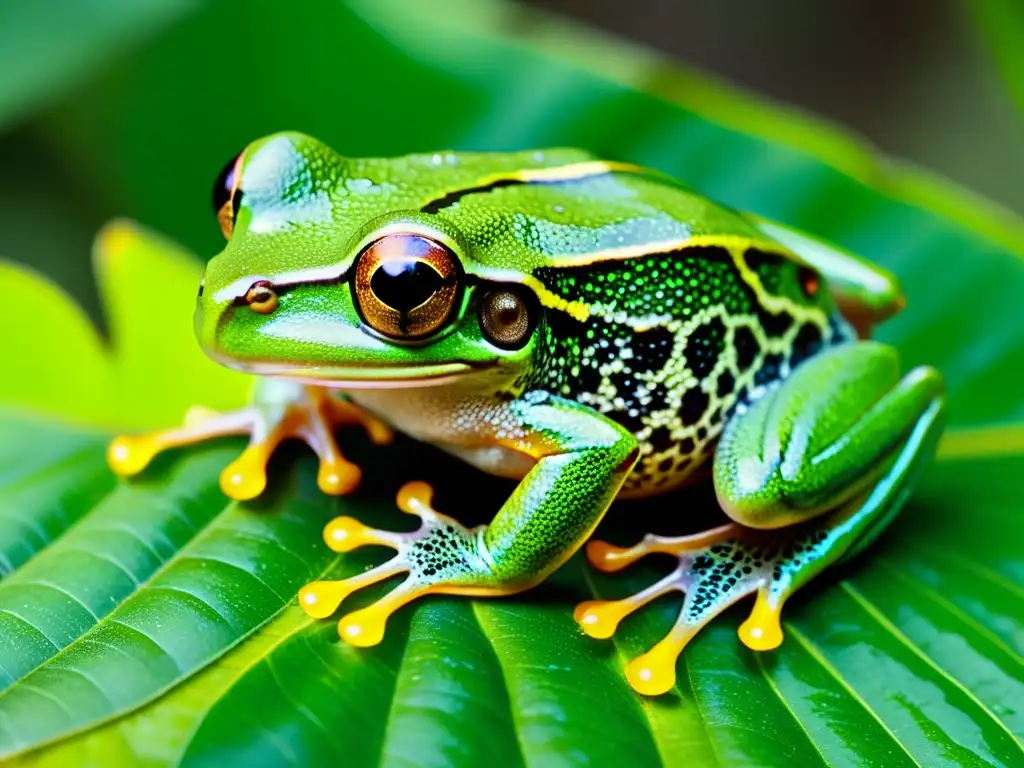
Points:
246	477
308	413
715	570
609	558
434	556
128	455
600	618
762	631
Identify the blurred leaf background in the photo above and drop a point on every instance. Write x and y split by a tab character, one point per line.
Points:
122	108
155	601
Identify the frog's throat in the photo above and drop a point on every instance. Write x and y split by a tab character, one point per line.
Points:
361	377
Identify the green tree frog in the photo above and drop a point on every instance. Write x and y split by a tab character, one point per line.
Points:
593	329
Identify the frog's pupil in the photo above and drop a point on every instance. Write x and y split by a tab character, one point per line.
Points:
405	283
509	314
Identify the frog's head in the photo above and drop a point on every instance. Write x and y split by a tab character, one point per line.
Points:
343	271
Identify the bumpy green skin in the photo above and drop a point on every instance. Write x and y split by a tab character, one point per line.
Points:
664	320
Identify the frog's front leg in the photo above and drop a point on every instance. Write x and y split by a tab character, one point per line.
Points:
582	461
831	454
279	410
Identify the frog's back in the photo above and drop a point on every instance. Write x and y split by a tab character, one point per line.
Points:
664	311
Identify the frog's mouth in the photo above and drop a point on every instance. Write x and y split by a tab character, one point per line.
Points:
361	377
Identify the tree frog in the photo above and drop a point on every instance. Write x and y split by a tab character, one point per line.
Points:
593	329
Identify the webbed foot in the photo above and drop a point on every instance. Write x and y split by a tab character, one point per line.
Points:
441	556
280	411
716	569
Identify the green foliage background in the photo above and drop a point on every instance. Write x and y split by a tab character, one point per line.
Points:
153	623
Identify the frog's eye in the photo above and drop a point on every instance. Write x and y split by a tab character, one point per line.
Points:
261	297
507	317
406	285
227	194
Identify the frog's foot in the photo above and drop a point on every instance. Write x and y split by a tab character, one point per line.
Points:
284	411
441	556
715	569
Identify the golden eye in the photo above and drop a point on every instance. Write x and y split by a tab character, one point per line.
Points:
227	194
261	297
406	285
506	318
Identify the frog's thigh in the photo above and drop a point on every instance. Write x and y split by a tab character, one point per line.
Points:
822	437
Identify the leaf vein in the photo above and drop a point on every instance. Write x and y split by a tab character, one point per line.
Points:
815	653
879	617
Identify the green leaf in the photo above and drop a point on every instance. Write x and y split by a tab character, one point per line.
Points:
147	374
153	623
1000	24
44	50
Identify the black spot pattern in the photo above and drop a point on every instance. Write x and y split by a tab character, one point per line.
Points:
774	324
652	348
807	343
704	347
726	383
630	368
747	348
695	402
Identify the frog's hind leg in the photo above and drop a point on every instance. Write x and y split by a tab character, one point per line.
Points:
772	466
713	573
279	411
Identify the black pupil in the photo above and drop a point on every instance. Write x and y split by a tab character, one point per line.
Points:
404	284
509	313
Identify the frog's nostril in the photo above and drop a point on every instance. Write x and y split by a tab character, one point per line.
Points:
405	284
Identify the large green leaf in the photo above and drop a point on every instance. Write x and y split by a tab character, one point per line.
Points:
152	622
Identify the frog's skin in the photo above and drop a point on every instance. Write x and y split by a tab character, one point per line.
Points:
592	328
